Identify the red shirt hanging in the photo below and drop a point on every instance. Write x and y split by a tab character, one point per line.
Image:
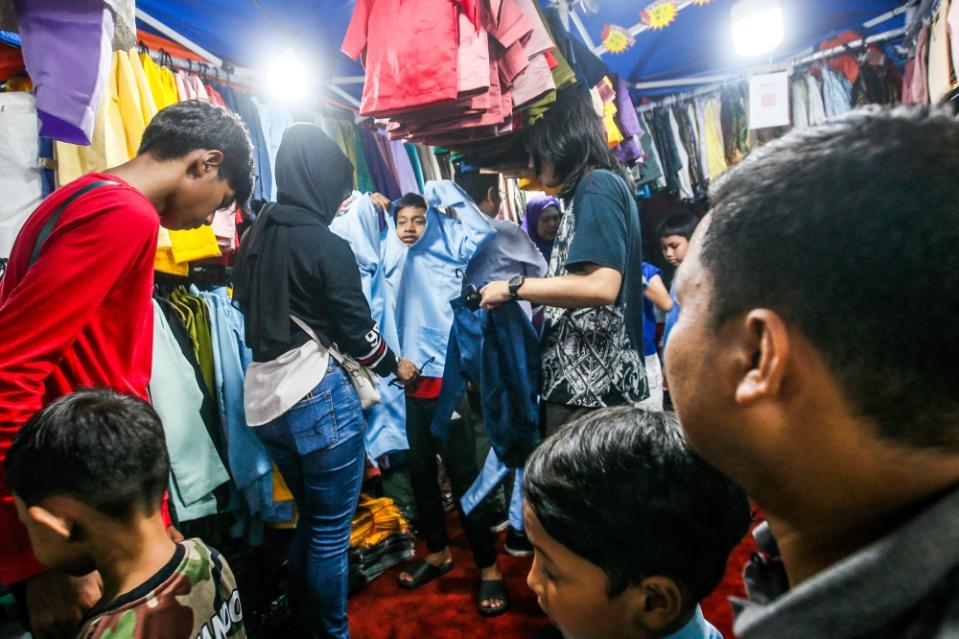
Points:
409	51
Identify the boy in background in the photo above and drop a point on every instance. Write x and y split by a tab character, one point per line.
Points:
88	474
674	235
631	529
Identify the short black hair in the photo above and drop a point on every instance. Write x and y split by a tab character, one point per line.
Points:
849	231
413	200
679	223
621	489
194	124
477	184
571	137
104	449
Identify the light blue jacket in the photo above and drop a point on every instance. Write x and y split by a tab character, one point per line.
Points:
360	226
428	274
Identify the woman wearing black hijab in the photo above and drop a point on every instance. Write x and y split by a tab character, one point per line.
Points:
302	403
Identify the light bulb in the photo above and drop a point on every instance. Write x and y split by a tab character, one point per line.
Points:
288	77
757	26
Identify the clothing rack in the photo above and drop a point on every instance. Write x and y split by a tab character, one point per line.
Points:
790	66
227	74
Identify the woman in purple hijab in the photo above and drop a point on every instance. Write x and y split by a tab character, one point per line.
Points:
542	222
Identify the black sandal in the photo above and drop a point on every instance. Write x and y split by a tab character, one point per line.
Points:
422	572
493	589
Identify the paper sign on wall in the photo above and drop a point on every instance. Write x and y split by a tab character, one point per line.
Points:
769	100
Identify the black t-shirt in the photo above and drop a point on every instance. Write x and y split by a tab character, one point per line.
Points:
593	357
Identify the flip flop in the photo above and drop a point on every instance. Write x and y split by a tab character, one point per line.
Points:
422	572
494	589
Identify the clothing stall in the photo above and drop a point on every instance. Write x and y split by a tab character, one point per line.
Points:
474	77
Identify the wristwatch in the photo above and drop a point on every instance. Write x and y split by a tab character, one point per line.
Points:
514	285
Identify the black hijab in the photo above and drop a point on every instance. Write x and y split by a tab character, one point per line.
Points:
313	177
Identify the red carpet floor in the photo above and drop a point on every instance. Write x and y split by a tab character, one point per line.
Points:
446	607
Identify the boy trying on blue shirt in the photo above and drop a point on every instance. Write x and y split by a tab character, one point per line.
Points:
631	529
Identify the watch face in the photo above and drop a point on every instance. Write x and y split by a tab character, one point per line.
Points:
516	281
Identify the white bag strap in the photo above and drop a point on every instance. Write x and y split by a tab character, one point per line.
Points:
316	338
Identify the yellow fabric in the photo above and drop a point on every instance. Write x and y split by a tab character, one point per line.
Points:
164	263
376	520
160	89
109	145
715	151
530	184
196	244
169	85
147	102
613	135
281	492
131	104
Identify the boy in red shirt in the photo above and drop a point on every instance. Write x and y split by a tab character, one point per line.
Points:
75	302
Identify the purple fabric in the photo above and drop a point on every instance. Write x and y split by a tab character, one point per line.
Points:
404	169
66	49
534	209
630	149
382	175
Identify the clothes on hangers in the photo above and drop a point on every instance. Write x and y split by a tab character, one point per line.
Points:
942	75
360	225
836	93
69	73
195	466
20	175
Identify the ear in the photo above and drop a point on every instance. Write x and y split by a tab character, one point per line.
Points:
491	194
56	524
205	162
763	356
657	603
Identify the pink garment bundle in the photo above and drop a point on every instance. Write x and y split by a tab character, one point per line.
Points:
467	65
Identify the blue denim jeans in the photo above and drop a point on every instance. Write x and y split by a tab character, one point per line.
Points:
319	445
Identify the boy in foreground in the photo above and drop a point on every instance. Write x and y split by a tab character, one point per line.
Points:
88	474
631	529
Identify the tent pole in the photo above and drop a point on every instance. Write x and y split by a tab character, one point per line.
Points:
783	66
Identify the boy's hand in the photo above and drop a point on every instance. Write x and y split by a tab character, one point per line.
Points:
381	201
407	371
56	603
495	294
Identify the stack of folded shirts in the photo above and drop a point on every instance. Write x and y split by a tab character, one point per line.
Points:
368	563
447	72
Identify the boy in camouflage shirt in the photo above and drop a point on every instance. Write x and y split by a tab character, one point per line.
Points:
88	475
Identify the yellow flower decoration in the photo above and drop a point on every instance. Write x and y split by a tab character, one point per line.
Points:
659	15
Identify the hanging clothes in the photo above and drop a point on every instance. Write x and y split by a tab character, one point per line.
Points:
799	102
110	145
161	81
942	75
422	33
274	121
630	150
735	123
383	179
195	465
20	175
875	84
684	181
68	73
920	78
836	92
714	138
360	225
406	175
428	274
250	464
817	107
246	109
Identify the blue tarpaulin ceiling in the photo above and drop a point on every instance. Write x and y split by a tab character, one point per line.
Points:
246	32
